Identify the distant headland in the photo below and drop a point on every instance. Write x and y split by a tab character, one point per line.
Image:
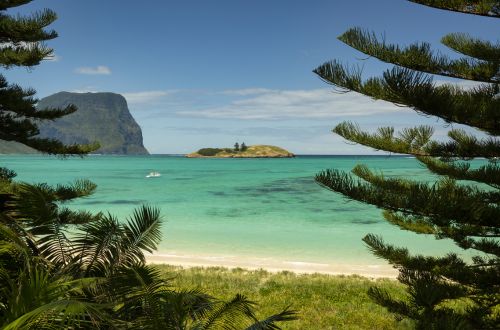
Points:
256	151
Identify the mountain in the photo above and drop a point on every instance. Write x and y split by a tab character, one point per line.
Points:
256	151
102	117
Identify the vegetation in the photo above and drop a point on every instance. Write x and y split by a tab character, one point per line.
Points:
104	117
210	151
73	269
243	147
236	147
68	269
464	204
22	40
326	302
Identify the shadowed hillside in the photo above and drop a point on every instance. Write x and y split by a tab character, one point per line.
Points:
102	117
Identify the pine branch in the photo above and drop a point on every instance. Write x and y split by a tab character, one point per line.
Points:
477	107
416	141
15	30
489	8
20	103
55	147
488	174
19	116
479	279
473	47
382	297
420	57
444	202
465	146
26	55
410	223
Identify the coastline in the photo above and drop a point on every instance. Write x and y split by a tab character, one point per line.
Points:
272	266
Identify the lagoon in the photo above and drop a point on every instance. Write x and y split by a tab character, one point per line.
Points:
249	213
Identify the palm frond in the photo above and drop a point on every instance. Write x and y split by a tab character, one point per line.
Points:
270	323
230	315
142	232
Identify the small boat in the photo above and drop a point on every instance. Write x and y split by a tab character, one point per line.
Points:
153	175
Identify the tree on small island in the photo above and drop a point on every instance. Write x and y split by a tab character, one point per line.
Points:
236	147
444	292
243	146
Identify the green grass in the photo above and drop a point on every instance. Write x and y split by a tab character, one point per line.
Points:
323	301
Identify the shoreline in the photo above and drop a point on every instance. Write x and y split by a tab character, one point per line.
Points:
273	266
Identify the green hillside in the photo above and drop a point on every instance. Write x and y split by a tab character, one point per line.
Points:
256	151
102	117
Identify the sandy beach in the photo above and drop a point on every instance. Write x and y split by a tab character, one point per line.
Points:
272	265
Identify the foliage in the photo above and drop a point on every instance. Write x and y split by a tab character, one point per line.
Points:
6	174
101	116
326	301
464	204
64	268
478	7
236	147
22	44
243	147
209	151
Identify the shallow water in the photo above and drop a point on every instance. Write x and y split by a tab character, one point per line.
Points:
266	209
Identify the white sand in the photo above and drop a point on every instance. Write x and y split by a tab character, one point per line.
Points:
272	265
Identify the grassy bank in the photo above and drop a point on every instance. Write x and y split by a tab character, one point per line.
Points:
324	301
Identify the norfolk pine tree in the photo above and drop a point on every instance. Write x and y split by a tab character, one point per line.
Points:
22	44
464	204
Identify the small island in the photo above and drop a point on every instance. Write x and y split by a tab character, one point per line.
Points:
256	151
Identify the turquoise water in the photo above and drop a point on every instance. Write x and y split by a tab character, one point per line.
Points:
264	208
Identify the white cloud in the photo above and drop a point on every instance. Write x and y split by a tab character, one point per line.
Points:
465	84
146	97
99	70
295	104
89	89
247	91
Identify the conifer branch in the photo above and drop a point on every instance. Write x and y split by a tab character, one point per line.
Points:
22	29
416	141
477	107
473	47
489	8
419	57
449	267
488	174
445	202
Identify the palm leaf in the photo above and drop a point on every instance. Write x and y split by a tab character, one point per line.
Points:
269	323
64	313
96	248
229	315
142	232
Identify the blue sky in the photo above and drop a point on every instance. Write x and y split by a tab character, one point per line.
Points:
209	73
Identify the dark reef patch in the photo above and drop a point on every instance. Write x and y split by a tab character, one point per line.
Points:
116	202
363	222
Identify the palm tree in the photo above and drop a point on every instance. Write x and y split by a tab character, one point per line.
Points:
66	268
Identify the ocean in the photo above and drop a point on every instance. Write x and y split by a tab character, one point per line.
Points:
242	212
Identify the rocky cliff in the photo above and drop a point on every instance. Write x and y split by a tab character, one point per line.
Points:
102	117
